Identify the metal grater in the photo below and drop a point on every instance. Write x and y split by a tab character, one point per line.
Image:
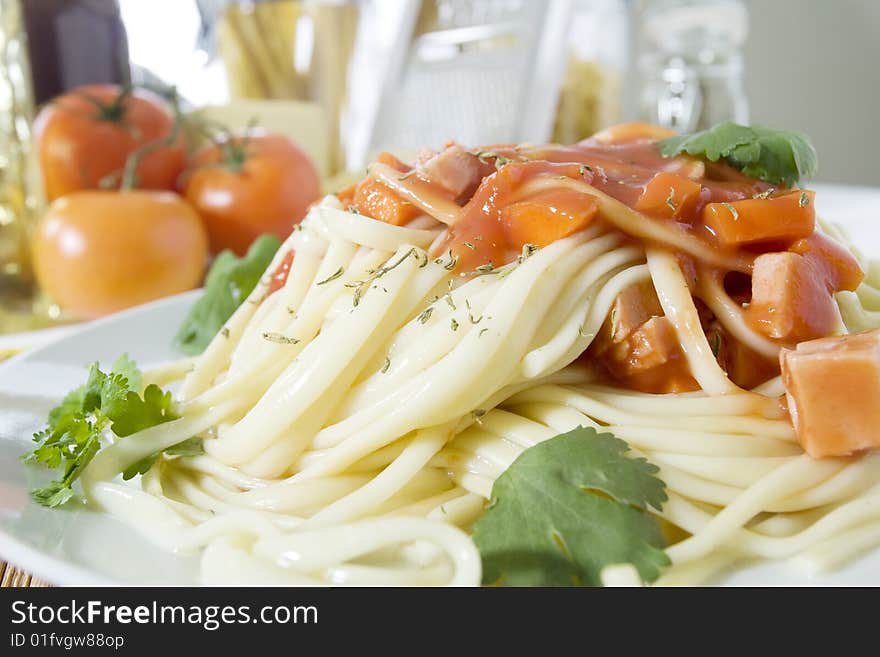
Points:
489	73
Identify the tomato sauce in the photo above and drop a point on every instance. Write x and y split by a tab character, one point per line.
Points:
535	195
622	171
279	276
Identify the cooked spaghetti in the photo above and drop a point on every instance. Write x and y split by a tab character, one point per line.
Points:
418	332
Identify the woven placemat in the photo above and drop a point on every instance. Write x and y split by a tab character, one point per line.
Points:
12	576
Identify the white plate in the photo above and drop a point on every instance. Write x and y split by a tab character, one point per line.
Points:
88	548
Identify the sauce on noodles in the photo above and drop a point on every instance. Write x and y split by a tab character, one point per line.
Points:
358	409
507	199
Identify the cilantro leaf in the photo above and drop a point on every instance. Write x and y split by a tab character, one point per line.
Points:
132	413
568	507
54	494
188	447
127	368
777	156
229	282
72	437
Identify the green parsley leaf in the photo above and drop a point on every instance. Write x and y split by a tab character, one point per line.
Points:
133	414
568	507
72	437
188	447
777	156
126	367
229	282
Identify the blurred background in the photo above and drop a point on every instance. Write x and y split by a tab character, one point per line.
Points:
344	80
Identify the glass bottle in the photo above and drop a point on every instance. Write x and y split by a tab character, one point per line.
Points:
691	62
74	42
17	192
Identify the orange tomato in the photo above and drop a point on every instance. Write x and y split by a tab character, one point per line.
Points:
787	216
548	217
250	185
282	271
375	199
669	196
88	133
624	133
96	252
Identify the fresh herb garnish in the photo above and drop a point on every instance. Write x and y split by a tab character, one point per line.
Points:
229	282
568	507
670	200
361	287
470	310
732	211
485	156
279	338
716	343
188	447
777	156
527	252
448	266
332	277
107	403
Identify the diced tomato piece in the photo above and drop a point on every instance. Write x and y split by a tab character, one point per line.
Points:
669	196
390	160
279	276
628	132
842	269
786	217
548	217
790	298
375	199
346	195
832	386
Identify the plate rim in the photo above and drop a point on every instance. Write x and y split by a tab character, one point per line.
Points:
19	554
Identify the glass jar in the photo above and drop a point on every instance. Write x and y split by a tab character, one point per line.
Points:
591	93
282	64
691	62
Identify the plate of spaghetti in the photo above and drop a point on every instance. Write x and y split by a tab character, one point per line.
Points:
640	359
